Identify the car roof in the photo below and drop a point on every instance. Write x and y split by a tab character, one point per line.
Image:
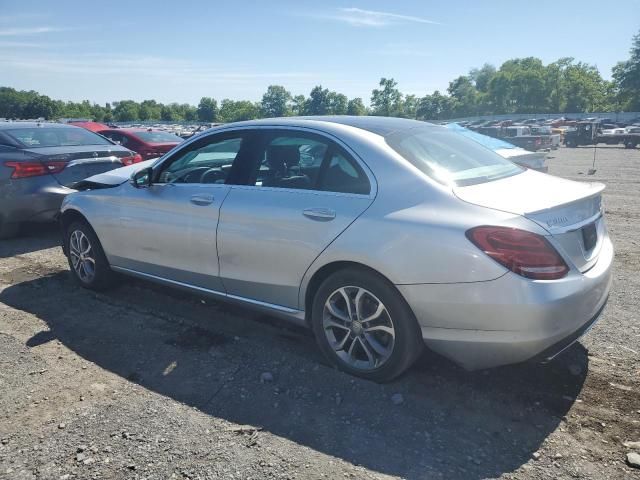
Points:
379	125
12	125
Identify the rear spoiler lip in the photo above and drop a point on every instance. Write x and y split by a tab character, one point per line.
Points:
560	227
597	187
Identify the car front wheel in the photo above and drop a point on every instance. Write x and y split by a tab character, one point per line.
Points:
88	263
364	326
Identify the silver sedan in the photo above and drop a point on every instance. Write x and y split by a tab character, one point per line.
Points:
380	234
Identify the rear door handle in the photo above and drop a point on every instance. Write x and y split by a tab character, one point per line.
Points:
321	214
202	199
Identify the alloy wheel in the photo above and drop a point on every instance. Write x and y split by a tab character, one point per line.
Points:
359	328
82	258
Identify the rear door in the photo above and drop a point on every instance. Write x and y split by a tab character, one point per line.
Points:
301	192
169	229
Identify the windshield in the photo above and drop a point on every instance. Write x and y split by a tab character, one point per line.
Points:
56	137
450	158
158	137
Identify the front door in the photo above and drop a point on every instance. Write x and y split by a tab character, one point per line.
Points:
301	193
168	229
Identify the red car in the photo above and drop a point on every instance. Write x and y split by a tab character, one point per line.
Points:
148	143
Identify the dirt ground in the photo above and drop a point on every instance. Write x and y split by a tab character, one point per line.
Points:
147	383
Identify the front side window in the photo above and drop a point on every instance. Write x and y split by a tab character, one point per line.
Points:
40	137
450	158
206	161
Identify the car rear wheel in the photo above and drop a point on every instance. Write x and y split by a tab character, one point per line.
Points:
630	144
88	263
364	326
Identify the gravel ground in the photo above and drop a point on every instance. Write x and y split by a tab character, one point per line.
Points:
147	383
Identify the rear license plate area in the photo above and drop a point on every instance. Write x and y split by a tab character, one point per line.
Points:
589	236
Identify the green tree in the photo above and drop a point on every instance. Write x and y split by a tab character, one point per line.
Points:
236	111
465	96
356	107
125	111
626	76
435	107
318	101
386	101
298	105
275	102
207	110
338	103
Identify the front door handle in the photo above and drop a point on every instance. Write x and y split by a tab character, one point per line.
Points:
202	199
321	214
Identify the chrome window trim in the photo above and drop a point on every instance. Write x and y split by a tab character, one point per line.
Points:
218	130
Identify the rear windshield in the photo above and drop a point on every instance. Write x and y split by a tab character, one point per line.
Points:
55	137
158	137
449	157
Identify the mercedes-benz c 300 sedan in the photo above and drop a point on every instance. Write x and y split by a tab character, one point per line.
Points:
381	234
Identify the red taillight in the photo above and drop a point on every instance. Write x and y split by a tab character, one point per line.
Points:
34	169
525	253
131	159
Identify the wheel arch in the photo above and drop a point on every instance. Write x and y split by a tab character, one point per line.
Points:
309	289
66	218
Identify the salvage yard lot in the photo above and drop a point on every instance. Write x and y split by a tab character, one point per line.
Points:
145	382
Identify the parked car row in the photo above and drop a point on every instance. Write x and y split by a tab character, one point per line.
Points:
41	163
541	134
149	143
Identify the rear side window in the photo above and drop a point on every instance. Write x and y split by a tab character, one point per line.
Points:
158	137
55	137
343	175
303	161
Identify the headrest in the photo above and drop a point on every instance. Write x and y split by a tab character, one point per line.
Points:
283	155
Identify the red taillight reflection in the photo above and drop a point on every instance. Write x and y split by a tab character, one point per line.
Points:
34	169
525	253
131	159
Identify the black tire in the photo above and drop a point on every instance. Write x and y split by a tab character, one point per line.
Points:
408	343
8	230
103	277
629	144
570	143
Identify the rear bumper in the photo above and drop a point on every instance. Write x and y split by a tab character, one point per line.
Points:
31	201
510	319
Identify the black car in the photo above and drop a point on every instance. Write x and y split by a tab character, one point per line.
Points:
40	163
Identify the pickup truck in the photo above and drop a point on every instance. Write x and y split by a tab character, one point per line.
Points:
590	133
521	136
547	130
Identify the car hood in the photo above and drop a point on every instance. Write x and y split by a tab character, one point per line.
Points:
119	175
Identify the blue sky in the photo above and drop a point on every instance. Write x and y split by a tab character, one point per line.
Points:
181	51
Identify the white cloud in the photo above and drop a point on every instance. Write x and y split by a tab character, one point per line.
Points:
171	69
359	17
15	32
24	45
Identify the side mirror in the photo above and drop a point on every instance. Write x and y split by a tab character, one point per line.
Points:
142	178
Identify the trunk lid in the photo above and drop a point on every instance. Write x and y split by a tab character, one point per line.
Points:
81	161
570	211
